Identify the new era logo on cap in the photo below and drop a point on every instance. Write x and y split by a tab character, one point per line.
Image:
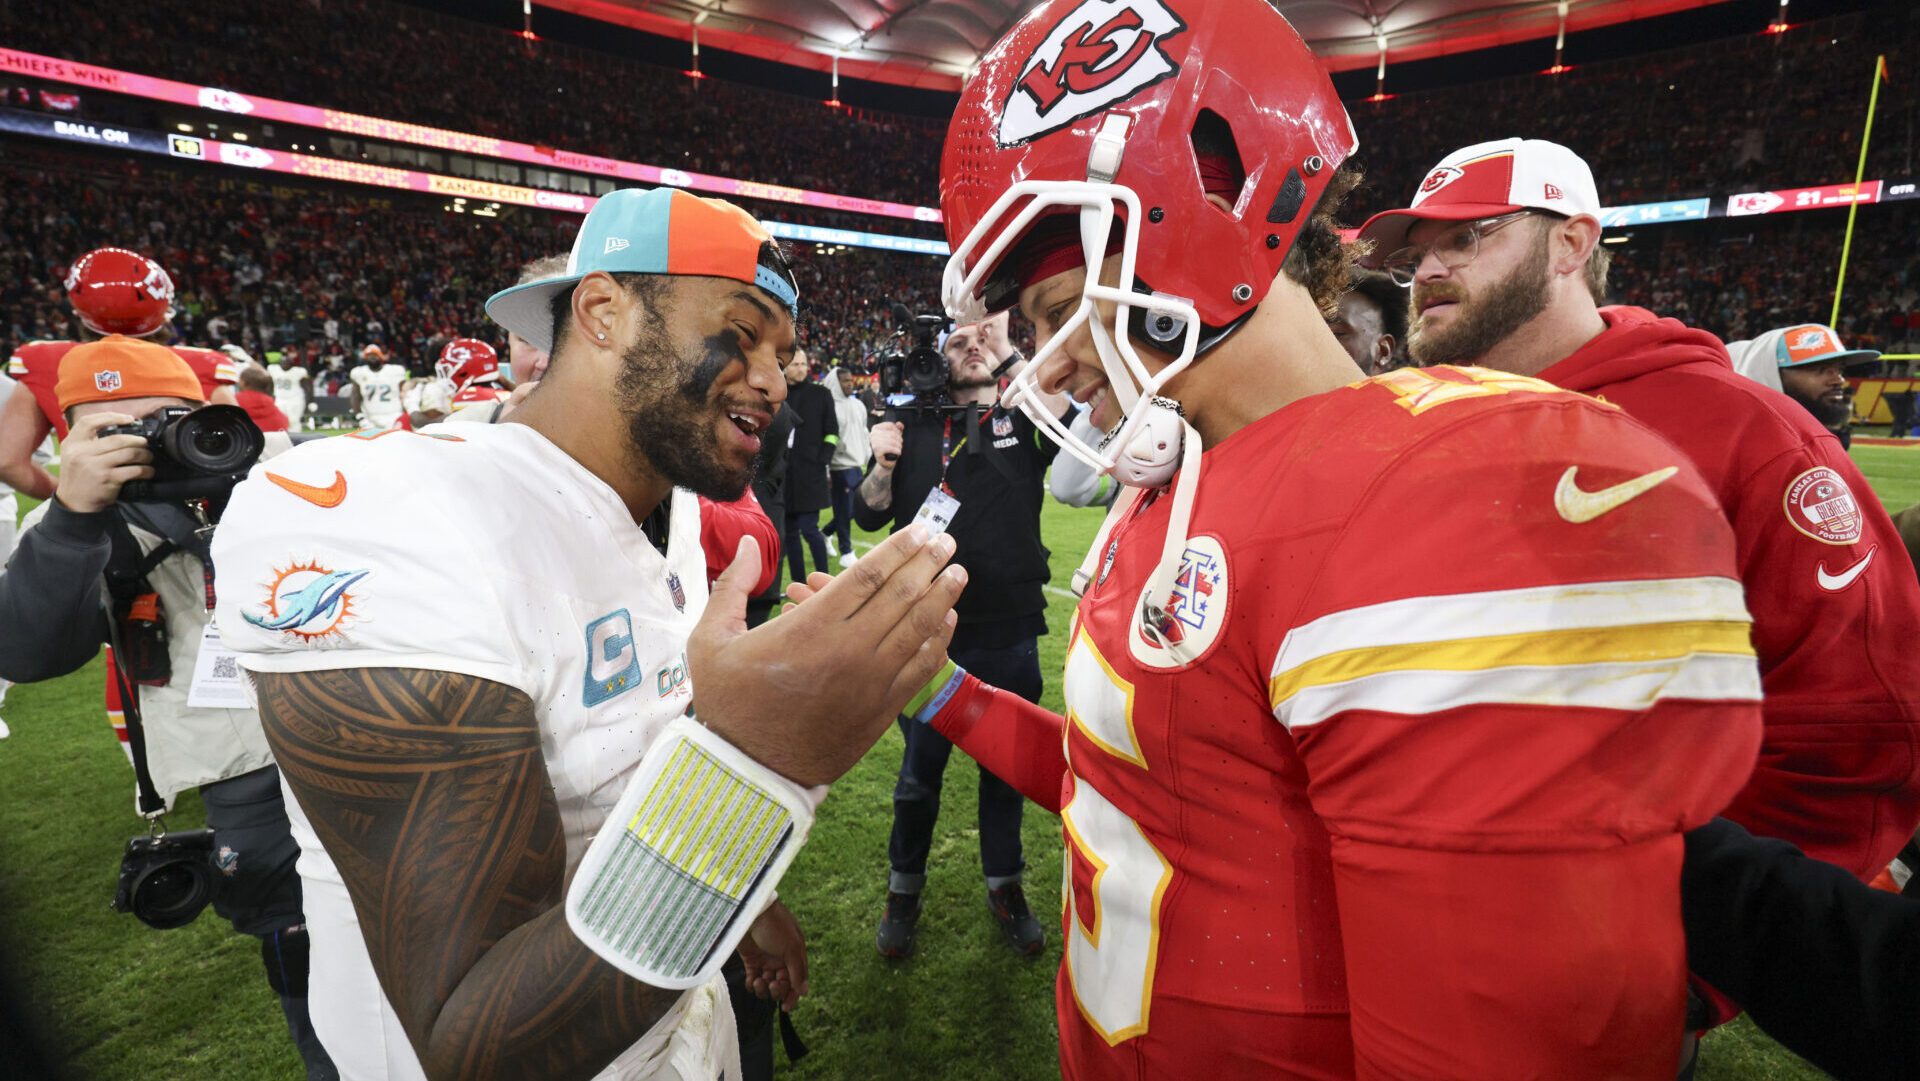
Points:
614	244
1554	193
108	380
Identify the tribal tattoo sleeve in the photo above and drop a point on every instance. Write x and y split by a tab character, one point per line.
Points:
429	792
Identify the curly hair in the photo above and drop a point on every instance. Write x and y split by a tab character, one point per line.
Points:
1319	258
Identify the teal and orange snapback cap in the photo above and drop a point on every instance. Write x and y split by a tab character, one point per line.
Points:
657	231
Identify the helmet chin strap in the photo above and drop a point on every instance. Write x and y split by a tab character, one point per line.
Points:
1151	611
1153	451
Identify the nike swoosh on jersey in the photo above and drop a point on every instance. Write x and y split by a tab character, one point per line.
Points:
1834	583
1579	506
331	496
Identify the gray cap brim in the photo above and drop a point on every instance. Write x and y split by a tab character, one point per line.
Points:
527	310
1847	358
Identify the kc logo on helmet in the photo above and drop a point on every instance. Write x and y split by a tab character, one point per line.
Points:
1099	54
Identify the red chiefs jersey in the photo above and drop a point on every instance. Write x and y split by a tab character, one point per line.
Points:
474	393
722	525
1836	606
1463	655
37	366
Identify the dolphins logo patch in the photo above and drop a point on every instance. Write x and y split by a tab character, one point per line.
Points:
308	601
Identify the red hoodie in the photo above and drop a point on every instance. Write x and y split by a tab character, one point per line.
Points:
1836	608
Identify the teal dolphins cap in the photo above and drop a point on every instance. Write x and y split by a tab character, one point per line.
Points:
657	231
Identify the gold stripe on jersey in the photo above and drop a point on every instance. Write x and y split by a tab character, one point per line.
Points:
1563	645
1449	616
1631	686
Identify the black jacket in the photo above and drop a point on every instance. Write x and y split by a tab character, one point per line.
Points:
813	443
997	529
1824	964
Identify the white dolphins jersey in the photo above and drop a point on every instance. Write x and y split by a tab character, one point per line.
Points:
380	405
289	393
369	550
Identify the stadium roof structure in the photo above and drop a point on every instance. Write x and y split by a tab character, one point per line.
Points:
935	44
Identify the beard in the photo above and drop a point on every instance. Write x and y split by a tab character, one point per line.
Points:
670	421
1830	414
1508	305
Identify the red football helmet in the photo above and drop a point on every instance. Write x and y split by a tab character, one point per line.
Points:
116	291
466	361
1087	111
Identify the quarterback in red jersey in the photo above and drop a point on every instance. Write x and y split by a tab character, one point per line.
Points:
113	291
1327	817
1836	607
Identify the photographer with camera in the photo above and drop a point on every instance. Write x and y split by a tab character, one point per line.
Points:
120	555
952	455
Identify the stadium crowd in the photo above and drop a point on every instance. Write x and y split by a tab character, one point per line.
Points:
470	78
1740	114
322	271
1732	115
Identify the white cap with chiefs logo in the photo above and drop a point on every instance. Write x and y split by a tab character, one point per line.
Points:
1488	179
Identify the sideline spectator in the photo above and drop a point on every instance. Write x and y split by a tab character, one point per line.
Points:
379	387
816	436
91	566
525	364
1808	364
256	397
1372	322
1505	267
977	467
292	385
850	458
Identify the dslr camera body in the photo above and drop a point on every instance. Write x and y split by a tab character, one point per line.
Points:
198	452
166	879
916	381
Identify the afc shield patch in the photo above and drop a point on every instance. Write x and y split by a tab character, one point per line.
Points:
1099	54
1186	627
1819	504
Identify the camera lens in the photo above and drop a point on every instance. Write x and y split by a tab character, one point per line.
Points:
171	894
214	439
212	443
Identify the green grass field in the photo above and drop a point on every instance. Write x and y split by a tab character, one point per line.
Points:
118	1001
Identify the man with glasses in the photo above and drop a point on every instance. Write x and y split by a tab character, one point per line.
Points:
1500	248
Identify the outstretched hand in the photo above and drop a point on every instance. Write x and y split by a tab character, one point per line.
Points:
808	693
775	954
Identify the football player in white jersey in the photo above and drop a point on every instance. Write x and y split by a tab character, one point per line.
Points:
460	702
377	386
291	383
